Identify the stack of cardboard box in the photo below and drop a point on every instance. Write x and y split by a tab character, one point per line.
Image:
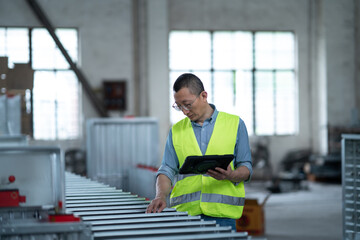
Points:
19	81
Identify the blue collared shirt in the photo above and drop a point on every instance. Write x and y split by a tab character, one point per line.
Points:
170	162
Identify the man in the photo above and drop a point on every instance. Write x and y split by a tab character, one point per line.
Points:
219	194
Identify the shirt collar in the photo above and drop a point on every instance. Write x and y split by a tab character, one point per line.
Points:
211	119
214	115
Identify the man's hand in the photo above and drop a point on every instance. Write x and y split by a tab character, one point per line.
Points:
221	174
163	187
240	174
156	205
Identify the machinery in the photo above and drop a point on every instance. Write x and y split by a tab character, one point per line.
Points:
38	200
32	196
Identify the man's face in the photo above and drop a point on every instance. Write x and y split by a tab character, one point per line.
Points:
195	104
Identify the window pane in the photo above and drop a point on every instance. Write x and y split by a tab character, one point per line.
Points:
224	91
67	105
46	54
244	98
284	50
43	50
2	42
56	105
274	50
264	103
264	50
285	103
190	50
17	45
233	50
44	105
69	40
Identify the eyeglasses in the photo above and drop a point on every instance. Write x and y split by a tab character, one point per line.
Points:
186	107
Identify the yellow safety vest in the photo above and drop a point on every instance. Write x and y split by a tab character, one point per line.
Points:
202	194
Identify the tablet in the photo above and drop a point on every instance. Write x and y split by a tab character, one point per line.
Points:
200	164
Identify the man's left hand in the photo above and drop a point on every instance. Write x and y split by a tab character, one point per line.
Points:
242	173
221	174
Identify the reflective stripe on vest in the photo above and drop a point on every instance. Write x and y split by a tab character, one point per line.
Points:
208	197
202	194
190	197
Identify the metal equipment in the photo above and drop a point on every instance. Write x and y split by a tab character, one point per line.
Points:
32	196
113	147
37	173
350	151
10	115
114	214
39	201
14	140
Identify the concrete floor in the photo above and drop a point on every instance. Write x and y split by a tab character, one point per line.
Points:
314	212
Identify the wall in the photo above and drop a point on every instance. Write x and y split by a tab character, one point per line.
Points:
340	57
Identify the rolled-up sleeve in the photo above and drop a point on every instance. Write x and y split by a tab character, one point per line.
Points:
170	163
242	149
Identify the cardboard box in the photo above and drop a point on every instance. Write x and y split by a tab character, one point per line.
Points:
3	71
20	77
3	65
253	218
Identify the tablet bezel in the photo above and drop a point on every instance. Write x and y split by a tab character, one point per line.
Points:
191	163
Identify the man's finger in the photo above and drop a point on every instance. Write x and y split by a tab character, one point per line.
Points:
220	170
149	209
160	208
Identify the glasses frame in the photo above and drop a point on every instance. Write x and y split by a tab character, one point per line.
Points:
186	107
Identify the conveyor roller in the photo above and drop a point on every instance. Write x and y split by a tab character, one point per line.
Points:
114	214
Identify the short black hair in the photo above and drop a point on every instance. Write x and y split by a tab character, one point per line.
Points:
190	81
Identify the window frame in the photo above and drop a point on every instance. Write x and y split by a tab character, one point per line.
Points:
53	70
253	72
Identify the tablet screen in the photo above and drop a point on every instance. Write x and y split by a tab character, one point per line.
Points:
201	164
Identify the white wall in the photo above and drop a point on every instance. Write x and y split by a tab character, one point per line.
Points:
340	60
158	73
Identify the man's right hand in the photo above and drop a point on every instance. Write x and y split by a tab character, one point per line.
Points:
156	205
163	187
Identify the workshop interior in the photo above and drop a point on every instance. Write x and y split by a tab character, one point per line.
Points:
86	95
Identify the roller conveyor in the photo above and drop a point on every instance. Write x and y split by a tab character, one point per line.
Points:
114	214
153	225
161	232
148	220
94	213
140	201
99	197
129	216
116	199
79	209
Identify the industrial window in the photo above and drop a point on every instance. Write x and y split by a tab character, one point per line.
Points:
247	73
56	92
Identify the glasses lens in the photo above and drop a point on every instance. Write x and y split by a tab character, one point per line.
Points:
176	107
186	108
